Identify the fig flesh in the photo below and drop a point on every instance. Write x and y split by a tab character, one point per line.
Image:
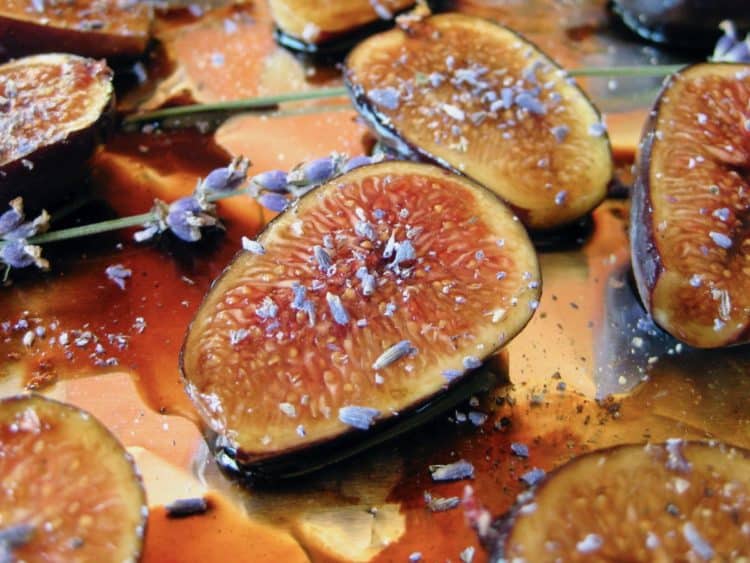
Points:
371	297
689	216
678	501
54	111
68	484
477	98
90	28
320	26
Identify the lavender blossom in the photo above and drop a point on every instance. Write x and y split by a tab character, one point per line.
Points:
319	170
729	48
18	253
271	180
12	219
356	162
118	273
188	215
358	417
387	98
273	202
226	178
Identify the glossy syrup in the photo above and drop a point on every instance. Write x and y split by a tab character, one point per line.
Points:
581	344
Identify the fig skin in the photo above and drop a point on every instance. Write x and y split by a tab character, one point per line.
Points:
664	490
221	379
61	465
123	32
690	24
319	26
512	170
53	156
659	270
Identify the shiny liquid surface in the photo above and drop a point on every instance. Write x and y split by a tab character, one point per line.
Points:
590	370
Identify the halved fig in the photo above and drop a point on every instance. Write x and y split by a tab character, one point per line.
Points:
679	501
91	28
368	299
689	218
479	99
54	111
68	484
320	25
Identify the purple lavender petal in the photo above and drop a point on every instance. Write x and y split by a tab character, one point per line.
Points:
177	218
10	220
533	476
118	273
318	171
530	103
740	53
274	202
14	254
356	162
387	98
358	417
218	180
272	180
338	312
461	469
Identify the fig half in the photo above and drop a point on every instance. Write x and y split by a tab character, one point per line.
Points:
54	111
369	298
70	491
678	501
477	98
321	25
689	218
91	28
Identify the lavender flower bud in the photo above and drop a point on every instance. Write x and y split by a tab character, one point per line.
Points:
274	202
30	228
729	48
272	180
11	219
118	274
356	162
187	215
320	170
18	253
226	178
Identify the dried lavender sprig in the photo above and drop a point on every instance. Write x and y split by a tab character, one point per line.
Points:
154	221
185	217
263	102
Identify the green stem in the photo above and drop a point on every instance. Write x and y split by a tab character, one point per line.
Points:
114	224
617	71
235	105
93	229
338	92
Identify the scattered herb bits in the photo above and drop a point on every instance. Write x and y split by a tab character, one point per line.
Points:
70	491
688	230
347	330
479	99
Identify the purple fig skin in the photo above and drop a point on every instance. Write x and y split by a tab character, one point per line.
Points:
46	176
646	256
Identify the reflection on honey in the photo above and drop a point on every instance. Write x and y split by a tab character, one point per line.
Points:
589	338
